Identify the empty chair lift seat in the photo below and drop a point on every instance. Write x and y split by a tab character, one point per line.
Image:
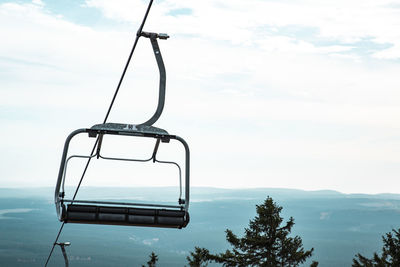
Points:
91	214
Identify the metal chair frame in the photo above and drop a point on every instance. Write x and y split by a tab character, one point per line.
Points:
97	131
139	130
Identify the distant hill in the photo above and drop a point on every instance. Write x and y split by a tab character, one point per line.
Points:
196	193
337	225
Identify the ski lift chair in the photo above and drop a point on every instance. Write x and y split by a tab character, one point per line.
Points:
120	213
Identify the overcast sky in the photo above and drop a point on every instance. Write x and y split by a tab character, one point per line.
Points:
295	93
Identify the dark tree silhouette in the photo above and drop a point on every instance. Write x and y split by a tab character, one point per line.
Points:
153	260
390	253
198	258
265	243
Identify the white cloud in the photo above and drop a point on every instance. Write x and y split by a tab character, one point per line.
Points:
324	215
389	53
244	97
38	2
124	10
246	22
150	242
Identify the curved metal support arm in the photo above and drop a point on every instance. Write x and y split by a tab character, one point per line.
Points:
57	197
64	252
163	78
187	170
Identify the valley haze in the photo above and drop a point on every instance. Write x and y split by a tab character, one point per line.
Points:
337	225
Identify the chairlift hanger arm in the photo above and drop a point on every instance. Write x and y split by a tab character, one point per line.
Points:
161	67
64	252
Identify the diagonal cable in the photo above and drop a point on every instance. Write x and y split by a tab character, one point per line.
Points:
105	118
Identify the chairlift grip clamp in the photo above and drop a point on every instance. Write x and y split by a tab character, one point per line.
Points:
153	35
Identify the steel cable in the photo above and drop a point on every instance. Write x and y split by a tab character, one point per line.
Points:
138	34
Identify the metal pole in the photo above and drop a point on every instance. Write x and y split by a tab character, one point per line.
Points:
64	252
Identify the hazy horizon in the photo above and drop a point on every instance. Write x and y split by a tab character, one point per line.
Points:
194	189
208	187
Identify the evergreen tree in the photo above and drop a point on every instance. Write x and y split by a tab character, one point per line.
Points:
153	260
265	243
198	258
390	253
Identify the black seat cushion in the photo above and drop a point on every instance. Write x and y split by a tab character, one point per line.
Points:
93	214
